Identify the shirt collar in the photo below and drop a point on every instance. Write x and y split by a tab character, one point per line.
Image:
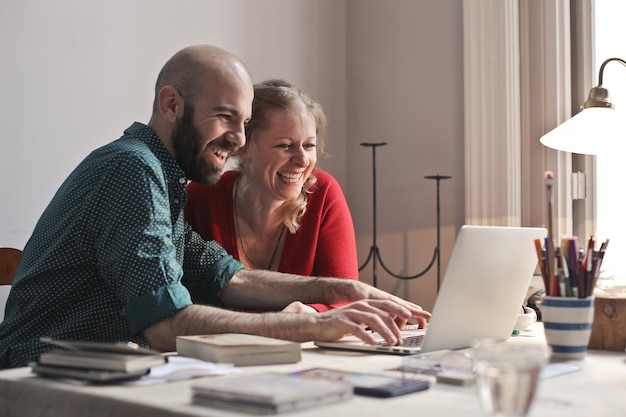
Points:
173	171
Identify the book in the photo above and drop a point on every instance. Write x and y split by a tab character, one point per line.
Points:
239	349
269	393
89	375
77	358
121	362
369	384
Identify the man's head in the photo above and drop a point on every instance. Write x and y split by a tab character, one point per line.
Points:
203	98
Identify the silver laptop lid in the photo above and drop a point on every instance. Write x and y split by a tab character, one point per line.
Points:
483	288
484	285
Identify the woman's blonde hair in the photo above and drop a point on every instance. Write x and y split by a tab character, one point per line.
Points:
279	94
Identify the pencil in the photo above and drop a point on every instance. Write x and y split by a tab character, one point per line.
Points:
567	290
542	263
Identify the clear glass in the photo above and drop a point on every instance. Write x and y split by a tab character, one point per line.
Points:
507	376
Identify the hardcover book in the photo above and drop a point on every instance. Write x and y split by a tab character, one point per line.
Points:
120	362
96	361
269	393
238	349
85	374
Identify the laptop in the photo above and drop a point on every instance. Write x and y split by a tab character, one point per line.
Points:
480	296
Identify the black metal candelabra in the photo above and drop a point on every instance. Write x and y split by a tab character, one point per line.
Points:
374	253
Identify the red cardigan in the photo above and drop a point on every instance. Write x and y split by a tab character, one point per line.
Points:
325	244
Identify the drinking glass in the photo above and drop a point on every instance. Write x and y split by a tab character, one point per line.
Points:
507	376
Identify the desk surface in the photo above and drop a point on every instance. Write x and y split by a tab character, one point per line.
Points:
599	389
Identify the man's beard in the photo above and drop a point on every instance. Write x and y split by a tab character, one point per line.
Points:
187	141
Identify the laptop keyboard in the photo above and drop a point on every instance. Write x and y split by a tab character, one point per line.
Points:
410	341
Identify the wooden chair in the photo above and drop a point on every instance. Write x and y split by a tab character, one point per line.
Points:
9	258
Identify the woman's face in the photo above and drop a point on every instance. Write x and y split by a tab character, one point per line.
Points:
284	153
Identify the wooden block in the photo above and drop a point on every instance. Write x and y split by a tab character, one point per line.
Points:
609	323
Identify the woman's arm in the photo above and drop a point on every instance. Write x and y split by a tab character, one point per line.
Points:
270	290
335	243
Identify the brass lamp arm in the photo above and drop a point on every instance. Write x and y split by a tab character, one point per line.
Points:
604	65
599	96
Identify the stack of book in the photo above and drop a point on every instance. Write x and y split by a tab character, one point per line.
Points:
238	349
95	361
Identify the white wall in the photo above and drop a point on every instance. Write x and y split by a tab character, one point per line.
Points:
74	74
405	83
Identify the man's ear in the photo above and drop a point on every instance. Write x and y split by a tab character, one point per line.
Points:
170	103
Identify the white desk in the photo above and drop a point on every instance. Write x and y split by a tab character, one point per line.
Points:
599	389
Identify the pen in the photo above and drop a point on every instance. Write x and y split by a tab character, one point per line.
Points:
550	269
588	268
581	272
598	264
567	290
573	264
560	272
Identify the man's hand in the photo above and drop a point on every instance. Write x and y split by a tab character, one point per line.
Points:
417	315
384	317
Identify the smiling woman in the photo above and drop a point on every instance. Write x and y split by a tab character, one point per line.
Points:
277	211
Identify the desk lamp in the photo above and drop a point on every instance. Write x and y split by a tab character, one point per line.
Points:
594	130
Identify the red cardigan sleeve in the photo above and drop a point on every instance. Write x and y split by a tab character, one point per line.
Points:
325	244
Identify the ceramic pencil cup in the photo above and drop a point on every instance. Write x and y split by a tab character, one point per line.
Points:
567	322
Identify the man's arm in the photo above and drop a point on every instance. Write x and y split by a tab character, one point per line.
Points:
378	315
271	290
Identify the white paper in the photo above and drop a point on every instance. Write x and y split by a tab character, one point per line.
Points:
555	369
178	368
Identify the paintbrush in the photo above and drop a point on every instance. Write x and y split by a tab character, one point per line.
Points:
550	247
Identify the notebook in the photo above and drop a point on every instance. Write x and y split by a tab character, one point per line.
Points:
486	280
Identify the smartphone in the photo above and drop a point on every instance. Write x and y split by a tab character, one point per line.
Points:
371	385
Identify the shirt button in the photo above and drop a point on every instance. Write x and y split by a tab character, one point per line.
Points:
182	180
176	201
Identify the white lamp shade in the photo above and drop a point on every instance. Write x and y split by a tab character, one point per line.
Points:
593	131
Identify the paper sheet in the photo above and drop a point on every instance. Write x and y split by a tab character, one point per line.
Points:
178	368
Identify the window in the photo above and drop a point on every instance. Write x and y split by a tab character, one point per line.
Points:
610	33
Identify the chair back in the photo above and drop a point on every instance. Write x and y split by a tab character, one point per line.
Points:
9	259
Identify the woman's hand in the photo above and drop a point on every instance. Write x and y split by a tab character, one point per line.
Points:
298	307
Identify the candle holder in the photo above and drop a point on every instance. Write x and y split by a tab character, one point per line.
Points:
374	253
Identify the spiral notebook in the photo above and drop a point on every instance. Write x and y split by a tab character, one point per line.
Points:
484	285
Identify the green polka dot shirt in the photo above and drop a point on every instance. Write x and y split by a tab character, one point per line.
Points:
112	254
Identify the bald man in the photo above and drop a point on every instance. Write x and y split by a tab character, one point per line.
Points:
113	259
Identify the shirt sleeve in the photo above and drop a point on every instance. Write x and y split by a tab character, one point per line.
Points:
138	248
208	268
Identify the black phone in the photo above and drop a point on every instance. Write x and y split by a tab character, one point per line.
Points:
368	384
